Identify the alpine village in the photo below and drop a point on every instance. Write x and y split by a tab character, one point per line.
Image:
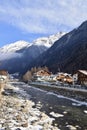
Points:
43	85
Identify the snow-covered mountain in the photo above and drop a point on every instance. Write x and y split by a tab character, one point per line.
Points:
18	56
43	41
68	54
49	41
13	47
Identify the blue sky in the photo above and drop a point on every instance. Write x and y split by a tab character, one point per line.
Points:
30	19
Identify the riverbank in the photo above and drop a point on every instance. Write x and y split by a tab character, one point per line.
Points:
69	114
78	94
17	112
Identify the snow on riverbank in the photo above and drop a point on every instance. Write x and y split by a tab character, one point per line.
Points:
17	112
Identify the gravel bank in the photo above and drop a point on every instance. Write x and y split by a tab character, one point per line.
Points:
17	112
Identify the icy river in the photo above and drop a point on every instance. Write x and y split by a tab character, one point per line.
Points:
67	112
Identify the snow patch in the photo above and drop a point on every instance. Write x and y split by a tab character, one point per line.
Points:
56	114
85	111
48	41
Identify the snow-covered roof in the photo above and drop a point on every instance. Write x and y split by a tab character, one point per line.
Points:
83	71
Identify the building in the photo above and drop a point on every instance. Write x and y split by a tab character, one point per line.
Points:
3	75
65	78
82	77
41	75
75	79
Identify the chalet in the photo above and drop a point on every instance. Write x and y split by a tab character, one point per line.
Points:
65	78
3	75
41	75
82	77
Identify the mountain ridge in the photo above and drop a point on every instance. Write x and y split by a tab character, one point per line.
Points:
16	57
68	54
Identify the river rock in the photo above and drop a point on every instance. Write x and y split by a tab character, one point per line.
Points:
56	114
71	127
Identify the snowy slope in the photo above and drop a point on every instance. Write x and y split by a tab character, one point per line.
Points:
48	41
14	46
44	41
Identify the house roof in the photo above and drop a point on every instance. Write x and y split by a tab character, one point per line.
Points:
43	72
3	72
83	71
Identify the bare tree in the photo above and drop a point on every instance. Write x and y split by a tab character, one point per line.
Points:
27	76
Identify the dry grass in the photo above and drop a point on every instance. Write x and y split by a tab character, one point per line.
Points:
1	90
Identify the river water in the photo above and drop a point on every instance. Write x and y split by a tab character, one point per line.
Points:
66	111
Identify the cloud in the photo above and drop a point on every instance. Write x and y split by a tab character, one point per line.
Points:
9	55
47	16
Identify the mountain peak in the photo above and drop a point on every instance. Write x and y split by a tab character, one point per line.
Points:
48	41
83	25
14	46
